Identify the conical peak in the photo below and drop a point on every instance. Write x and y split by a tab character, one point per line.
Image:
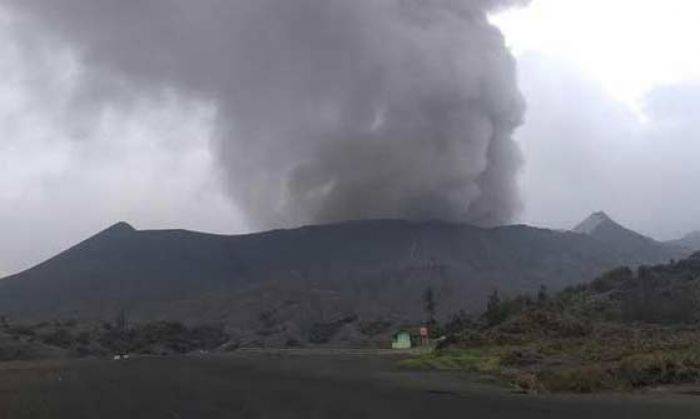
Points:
120	227
593	221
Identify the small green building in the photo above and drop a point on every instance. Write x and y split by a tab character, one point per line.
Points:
402	340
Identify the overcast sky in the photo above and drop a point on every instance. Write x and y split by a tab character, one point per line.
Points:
612	88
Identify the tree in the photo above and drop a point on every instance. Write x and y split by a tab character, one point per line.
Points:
494	301
121	322
429	305
496	311
542	295
459	322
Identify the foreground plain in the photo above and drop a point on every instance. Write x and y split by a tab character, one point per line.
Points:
291	384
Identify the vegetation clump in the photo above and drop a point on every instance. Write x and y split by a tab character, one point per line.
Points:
81	340
320	333
374	328
163	337
623	331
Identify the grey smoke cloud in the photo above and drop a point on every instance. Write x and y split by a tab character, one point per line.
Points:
326	110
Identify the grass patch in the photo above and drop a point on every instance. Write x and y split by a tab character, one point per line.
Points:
659	368
481	360
581	367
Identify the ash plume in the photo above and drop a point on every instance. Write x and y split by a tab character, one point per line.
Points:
327	110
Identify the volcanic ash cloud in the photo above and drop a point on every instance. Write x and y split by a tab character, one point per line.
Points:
327	110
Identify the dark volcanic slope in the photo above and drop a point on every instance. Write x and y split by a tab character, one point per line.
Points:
311	274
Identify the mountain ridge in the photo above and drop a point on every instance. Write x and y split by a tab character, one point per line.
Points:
371	269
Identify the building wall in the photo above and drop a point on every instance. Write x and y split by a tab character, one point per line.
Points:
402	341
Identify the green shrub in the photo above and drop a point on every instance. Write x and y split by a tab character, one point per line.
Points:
61	338
499	310
20	331
576	380
658	368
155	336
546	322
323	332
83	338
373	328
612	279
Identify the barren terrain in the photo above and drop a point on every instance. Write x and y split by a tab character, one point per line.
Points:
291	384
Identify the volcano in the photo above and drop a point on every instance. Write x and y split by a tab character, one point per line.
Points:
281	283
